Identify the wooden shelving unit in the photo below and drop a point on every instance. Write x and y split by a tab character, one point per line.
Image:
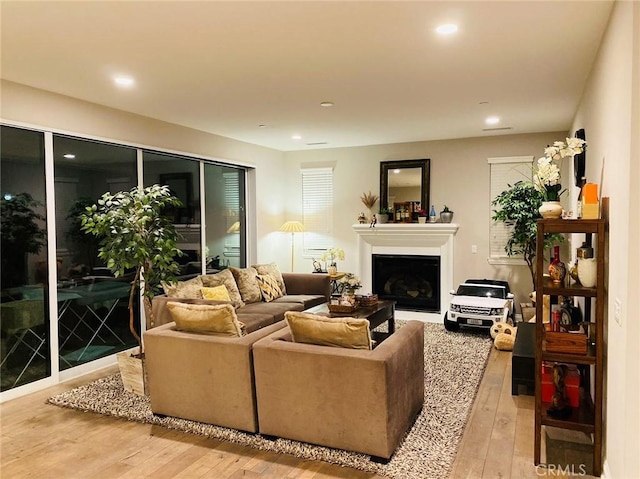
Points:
587	417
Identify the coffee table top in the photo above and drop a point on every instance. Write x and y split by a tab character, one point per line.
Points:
362	312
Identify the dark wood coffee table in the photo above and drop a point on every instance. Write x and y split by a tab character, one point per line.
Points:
383	311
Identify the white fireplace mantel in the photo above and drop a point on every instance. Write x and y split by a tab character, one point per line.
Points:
428	239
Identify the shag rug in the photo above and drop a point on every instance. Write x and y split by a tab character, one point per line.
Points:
454	365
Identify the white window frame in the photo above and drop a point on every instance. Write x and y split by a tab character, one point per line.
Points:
505	171
317	210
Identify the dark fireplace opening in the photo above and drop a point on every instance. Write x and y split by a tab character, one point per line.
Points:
412	281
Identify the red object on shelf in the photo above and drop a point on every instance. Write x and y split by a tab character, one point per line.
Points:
557	269
571	382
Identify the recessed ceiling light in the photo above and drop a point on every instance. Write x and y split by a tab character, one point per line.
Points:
447	29
124	81
262	126
492	120
327	103
69	156
296	137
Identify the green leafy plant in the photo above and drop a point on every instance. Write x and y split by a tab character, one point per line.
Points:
135	234
21	235
446	209
385	211
518	207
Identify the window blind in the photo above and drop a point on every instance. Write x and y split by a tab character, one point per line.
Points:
317	209
505	172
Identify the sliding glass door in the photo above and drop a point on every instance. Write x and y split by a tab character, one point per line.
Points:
24	324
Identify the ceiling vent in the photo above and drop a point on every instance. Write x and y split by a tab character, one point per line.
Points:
497	129
317	143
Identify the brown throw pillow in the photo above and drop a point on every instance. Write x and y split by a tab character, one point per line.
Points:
190	289
218	319
247	284
342	332
274	271
225	278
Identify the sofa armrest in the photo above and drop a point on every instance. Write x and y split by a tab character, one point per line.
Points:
308	283
351	399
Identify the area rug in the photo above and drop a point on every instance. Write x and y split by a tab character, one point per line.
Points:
454	365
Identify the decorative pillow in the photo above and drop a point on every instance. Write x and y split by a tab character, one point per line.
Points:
342	332
247	284
218	319
218	293
269	287
190	289
273	270
225	278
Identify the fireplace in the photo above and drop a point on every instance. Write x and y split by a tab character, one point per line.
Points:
412	281
413	240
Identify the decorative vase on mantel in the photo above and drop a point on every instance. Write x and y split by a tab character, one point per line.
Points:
551	210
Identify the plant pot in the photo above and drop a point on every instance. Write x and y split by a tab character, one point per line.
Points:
132	372
446	216
550	210
382	218
332	270
422	219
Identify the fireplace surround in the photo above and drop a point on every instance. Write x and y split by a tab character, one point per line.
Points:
413	239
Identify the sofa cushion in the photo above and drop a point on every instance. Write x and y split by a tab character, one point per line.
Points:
274	271
247	284
276	310
306	300
342	332
226	278
218	319
190	289
219	293
269	287
255	321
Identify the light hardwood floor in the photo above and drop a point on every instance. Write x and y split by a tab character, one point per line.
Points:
43	441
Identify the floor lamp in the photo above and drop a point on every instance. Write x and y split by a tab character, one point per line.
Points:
292	227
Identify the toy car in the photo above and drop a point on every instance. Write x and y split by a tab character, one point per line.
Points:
479	303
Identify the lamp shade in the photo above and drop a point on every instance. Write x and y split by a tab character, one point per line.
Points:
292	227
234	228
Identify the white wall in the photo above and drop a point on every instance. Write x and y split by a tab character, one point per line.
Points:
610	113
459	179
39	108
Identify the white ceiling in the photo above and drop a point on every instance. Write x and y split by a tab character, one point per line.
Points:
228	67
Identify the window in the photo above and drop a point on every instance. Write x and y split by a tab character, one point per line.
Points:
505	171
317	209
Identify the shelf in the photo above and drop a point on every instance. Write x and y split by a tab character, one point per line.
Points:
588	416
555	289
571	226
582	419
587	359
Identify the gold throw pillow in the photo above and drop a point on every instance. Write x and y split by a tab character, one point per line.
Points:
218	293
217	319
341	332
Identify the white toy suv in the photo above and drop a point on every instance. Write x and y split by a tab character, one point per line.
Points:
479	303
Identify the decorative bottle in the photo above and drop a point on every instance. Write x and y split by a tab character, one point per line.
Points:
557	269
432	214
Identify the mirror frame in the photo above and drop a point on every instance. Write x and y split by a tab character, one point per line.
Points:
386	166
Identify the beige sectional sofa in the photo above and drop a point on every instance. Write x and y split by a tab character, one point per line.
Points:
359	400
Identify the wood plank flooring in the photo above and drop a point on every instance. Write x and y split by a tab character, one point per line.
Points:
44	441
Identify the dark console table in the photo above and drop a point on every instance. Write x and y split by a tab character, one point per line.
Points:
523	359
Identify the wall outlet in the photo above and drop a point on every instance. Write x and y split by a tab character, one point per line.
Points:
474	248
618	311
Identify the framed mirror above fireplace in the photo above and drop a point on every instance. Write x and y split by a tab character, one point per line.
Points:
405	181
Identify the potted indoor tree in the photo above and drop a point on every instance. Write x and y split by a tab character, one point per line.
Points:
135	235
518	208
